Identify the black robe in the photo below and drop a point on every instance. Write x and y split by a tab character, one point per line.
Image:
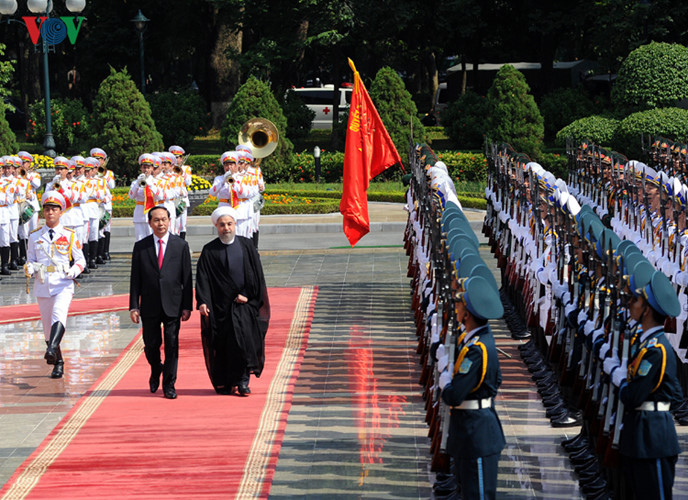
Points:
233	334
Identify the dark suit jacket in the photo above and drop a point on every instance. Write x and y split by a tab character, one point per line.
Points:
157	291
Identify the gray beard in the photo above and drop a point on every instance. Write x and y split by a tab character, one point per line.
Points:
227	239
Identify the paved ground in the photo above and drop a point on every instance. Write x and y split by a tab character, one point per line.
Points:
356	427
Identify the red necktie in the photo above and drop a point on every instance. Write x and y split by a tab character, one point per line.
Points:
160	254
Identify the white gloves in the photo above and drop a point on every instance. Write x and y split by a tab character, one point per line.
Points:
28	269
445	378
604	350
619	375
588	328
582	316
610	364
72	272
440	352
597	334
442	362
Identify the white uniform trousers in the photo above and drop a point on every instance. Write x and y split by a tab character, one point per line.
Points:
14	227
92	229
54	309
244	227
142	230
5	234
181	220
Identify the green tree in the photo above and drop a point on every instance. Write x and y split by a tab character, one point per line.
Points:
563	106
299	116
513	115
652	76
667	122
69	124
397	110
464	120
595	128
179	115
123	124
8	141
255	100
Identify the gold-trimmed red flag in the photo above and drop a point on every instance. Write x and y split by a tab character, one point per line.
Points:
369	151
149	199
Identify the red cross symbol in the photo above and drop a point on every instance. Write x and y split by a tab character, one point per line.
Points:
326	110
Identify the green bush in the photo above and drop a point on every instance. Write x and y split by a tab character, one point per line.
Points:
123	123
464	167
205	165
561	107
397	111
596	128
70	124
299	116
464	120
254	99
671	123
179	115
652	76
556	163
331	167
8	140
513	116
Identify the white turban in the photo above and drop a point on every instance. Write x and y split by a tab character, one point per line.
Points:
221	212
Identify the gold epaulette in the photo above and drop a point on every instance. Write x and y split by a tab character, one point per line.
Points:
37	229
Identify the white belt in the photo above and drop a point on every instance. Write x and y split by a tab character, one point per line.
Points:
654	406
474	404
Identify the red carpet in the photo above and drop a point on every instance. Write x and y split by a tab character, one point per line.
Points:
91	305
122	441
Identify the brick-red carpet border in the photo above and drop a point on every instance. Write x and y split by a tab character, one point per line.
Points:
121	441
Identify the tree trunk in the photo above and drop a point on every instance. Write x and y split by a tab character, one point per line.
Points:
224	73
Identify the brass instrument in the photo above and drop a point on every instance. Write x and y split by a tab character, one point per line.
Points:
142	180
22	173
101	170
177	170
230	180
56	186
261	135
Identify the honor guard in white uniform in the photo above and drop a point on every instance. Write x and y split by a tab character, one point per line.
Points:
14	162
255	176
231	189
108	177
91	207
137	192
186	174
6	200
71	218
167	176
34	180
51	248
8	217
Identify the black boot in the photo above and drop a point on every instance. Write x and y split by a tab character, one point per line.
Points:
182	235
14	251
101	251
58	369
23	245
106	255
56	333
86	255
92	251
4	261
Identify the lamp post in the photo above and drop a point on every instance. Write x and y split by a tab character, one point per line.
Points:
141	23
45	7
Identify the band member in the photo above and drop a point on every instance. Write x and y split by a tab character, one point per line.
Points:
51	248
233	190
8	216
34	180
137	192
186	174
108	178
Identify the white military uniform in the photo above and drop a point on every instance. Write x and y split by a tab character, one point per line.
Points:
50	259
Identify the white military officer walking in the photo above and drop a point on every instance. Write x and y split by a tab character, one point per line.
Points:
51	248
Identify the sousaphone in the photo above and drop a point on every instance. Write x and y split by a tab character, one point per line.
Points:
259	134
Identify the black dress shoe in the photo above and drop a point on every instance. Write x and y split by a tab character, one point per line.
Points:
244	390
565	421
154	380
170	393
577	439
58	369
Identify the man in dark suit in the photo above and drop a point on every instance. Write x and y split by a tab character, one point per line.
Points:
160	293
